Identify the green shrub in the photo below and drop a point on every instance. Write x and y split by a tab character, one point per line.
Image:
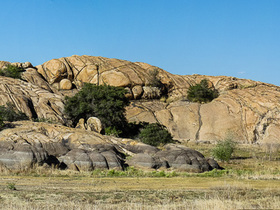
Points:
202	93
224	149
8	113
11	71
155	134
104	102
112	131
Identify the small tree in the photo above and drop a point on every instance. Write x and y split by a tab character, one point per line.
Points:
104	102
224	149
11	71
155	134
202	93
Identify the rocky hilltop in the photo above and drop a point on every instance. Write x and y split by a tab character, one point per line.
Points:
247	109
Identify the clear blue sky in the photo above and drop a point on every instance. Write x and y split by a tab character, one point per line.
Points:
238	38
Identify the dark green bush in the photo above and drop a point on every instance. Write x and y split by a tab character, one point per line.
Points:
104	102
224	149
8	113
11	71
202	93
155	134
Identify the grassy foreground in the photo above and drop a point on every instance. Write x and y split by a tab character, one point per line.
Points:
85	192
251	181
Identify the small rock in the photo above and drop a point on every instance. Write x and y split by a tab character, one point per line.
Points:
27	65
65	84
137	91
17	64
81	124
94	124
128	94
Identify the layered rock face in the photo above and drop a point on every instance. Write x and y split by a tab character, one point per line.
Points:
31	143
33	100
247	109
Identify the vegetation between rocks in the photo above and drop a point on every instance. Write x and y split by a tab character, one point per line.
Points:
201	92
108	104
155	134
104	102
11	71
8	113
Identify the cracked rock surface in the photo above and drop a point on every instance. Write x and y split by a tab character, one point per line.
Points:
247	109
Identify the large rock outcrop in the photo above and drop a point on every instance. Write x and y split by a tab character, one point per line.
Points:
28	143
247	109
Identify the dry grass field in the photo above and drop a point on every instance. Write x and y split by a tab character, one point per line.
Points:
251	180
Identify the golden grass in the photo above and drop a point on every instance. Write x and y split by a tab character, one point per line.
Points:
137	193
